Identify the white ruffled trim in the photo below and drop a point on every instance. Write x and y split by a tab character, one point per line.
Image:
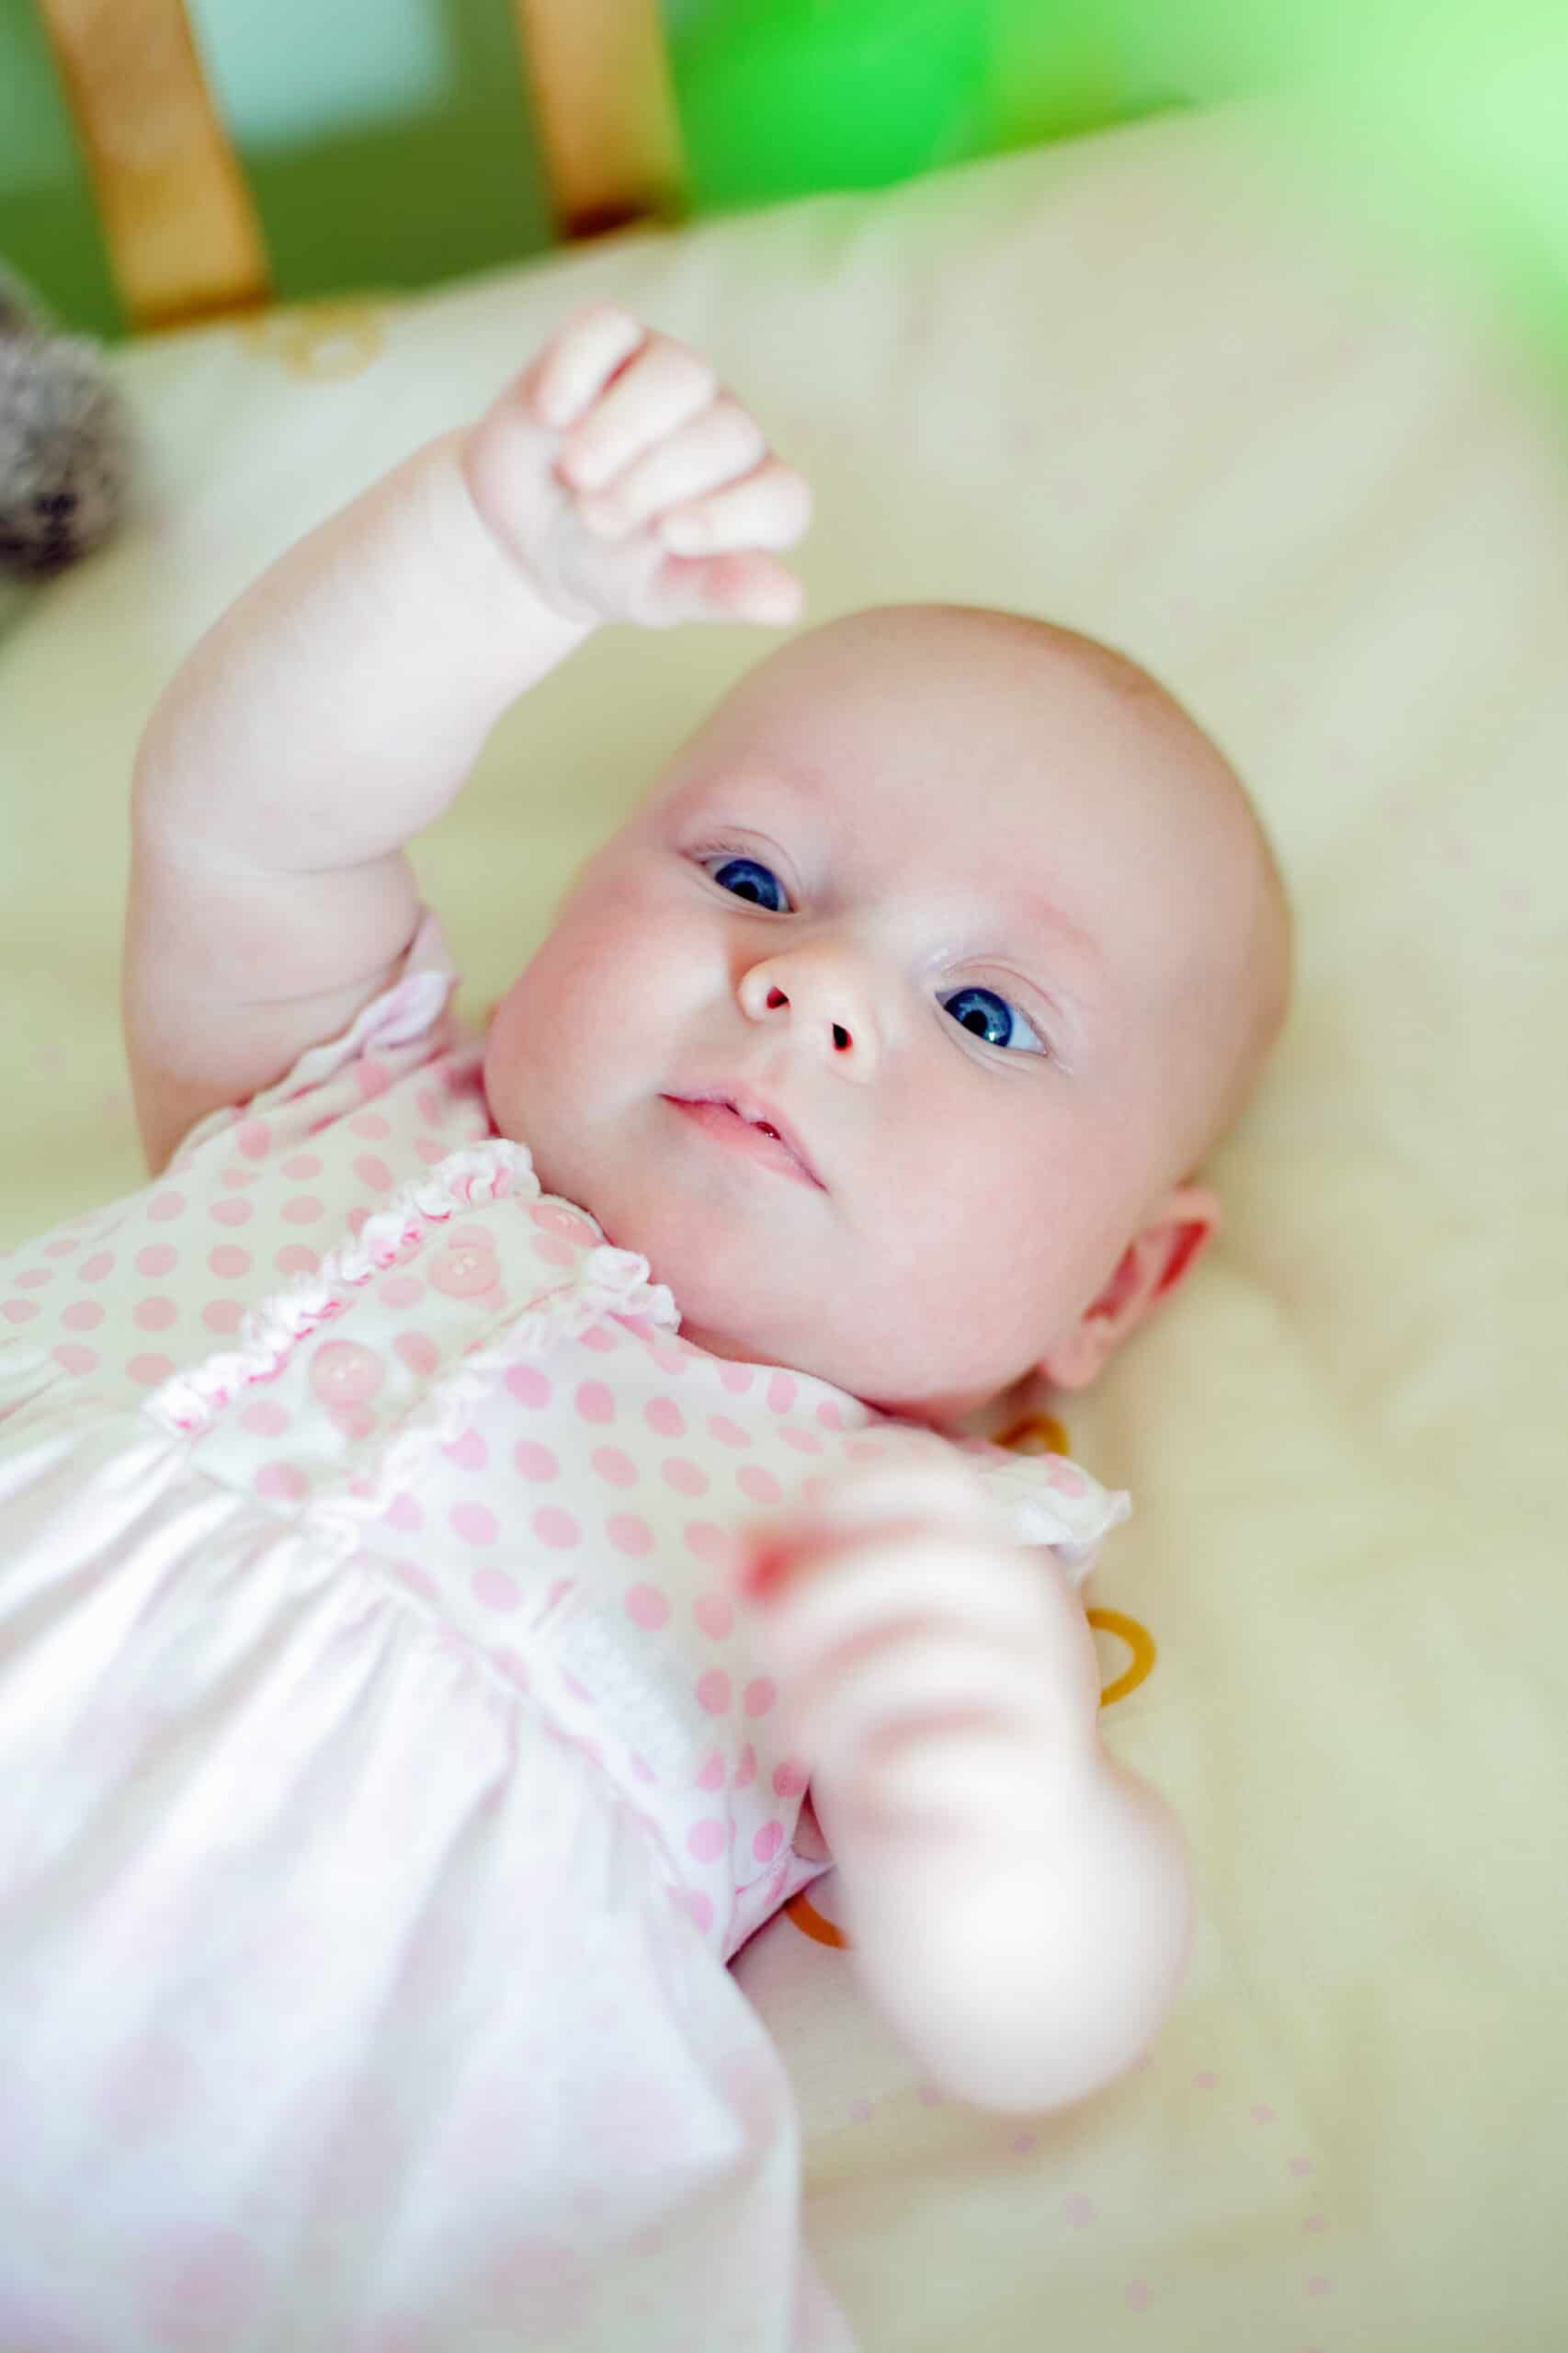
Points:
188	1401
402	1014
1073	1527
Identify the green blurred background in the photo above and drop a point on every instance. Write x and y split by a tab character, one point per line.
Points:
388	142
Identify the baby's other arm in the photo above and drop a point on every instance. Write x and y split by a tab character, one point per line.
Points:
336	710
1016	1902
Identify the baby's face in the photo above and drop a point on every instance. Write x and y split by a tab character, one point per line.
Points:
944	907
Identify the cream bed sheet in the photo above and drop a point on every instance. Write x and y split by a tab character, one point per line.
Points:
1117	382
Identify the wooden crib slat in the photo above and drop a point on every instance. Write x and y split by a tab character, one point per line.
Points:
183	237
605	109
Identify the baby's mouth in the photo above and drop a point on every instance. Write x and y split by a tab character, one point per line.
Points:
740	1119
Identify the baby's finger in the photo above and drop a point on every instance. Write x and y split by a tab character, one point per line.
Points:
721	445
858	1591
908	1682
743	587
665	386
578	361
771	508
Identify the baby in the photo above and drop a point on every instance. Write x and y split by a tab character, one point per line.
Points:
420	1668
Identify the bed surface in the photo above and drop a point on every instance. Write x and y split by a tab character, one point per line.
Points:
1119	383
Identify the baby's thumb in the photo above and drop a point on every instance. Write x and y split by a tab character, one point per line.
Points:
743	585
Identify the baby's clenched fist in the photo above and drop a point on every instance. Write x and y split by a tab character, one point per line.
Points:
629	484
939	1680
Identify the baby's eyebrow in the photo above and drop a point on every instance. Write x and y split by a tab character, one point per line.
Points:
1037	918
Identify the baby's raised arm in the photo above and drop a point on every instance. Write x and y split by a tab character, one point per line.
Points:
336	710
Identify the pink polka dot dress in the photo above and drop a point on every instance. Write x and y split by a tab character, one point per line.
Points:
386	1775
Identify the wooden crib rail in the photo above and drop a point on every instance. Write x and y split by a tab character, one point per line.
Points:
181	229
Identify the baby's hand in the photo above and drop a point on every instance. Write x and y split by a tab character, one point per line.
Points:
939	1682
630	486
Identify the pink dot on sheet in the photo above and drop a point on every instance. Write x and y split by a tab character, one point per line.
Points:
418	1351
404	1512
781	1392
494	1588
94	1269
700	1908
768	1840
226	1260
74	1358
300	1208
528	1385
534	1462
370	1125
1137	2294
223	1315
1079	2211
789	1778
254	1138
19	1311
372	1170
84	1315
63	1246
714	1612
419	1580
745	1771
708	1840
285	1481
264	1418
556	1527
736	1378
670	1355
156	1259
237	1177
663	1415
713	1691
727	1432
684	1475
371	1078
830	1416
233	1210
474	1523
469	1451
612	1463
296	1258
164	1206
759	1696
759	1484
594	1402
711	1777
630	1534
804	1441
647	1606
149	1370
302	1165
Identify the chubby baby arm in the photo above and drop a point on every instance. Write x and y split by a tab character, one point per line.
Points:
1017	1903
336	710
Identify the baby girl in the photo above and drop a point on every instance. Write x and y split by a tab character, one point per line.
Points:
495	1517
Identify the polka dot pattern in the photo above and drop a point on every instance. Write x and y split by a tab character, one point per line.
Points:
566	1507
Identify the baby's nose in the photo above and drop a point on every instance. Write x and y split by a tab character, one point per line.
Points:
827	1005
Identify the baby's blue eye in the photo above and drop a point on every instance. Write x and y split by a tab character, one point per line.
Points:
990	1016
751	880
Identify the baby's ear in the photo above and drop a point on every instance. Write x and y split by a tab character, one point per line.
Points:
1155	1262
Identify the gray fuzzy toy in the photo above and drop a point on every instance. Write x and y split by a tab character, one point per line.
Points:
64	441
